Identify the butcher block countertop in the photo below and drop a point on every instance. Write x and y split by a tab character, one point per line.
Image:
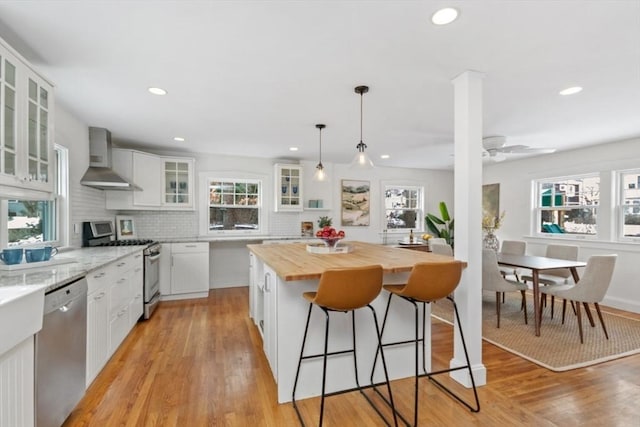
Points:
292	261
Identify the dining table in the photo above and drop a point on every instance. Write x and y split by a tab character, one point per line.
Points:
538	264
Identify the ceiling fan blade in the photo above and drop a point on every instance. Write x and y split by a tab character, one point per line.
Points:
525	149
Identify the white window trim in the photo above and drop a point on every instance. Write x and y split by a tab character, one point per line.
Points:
420	226
536	210
619	211
203	180
61	174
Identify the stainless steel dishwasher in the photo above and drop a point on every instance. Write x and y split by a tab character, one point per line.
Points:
61	347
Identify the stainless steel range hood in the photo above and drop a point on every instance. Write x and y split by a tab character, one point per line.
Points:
100	175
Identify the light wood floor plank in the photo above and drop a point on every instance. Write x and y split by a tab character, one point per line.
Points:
200	363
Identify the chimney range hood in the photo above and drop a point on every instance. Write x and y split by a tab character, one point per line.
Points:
100	175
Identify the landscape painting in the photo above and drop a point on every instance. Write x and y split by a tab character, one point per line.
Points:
355	203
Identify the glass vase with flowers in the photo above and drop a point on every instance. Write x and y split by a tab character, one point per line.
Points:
490	224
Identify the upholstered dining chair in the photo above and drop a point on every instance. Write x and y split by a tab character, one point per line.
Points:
591	288
442	249
558	276
492	281
512	247
437	241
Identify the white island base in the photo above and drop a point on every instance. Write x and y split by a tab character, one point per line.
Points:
279	310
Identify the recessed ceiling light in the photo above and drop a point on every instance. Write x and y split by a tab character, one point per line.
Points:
571	90
444	16
293	148
178	138
384	156
157	91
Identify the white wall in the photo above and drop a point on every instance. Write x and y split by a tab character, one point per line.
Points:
516	198
85	203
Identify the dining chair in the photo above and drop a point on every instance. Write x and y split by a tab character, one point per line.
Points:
437	241
492	281
591	288
442	249
512	247
559	276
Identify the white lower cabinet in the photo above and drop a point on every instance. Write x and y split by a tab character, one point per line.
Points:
114	304
186	265
17	391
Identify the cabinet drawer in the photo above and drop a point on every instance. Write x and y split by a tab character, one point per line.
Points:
99	278
178	248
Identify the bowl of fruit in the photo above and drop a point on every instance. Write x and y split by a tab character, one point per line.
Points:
330	236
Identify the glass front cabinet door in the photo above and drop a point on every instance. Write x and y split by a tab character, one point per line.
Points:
178	183
288	189
26	117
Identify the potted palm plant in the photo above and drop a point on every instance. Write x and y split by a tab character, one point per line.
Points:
441	226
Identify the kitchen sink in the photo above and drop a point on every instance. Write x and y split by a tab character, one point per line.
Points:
21	310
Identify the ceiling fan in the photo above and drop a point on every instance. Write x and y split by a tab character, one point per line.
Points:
495	148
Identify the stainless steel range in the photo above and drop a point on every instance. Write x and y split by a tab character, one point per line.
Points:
101	233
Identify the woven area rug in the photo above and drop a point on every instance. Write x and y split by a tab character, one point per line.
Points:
558	347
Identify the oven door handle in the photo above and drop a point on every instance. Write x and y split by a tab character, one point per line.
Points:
153	258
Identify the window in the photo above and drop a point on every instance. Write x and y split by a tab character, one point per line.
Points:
234	204
403	206
36	221
629	183
567	205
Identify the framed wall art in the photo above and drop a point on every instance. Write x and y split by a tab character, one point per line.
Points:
124	228
491	200
356	203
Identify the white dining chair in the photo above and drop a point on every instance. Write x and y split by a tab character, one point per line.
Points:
512	247
437	241
493	281
560	276
441	249
591	288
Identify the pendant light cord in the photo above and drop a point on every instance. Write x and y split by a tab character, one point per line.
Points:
361	96
320	152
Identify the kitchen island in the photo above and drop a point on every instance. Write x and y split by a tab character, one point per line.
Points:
279	274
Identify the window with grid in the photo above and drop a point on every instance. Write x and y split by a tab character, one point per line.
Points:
629	207
567	206
403	206
234	204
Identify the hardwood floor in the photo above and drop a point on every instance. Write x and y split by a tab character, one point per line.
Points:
200	363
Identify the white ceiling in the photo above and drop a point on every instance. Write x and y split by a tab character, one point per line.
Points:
254	77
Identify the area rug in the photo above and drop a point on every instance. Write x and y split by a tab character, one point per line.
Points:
558	347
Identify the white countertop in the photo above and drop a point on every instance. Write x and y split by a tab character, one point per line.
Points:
55	276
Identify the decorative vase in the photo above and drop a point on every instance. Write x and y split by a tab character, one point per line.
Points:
490	241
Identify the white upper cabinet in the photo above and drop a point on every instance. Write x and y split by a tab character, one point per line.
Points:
288	188
26	125
167	183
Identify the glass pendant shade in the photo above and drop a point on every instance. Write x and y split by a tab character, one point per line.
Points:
361	159
320	174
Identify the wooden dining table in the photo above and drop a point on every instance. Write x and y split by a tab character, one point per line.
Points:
539	264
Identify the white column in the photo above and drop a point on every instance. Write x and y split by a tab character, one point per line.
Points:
468	219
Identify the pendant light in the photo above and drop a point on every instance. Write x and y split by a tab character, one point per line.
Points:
320	174
361	160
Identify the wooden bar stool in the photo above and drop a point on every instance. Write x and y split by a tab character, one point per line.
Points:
344	290
429	282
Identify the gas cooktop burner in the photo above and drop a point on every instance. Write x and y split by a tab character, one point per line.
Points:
128	242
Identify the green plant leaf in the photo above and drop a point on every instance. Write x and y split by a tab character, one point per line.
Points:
432	227
435	219
444	212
